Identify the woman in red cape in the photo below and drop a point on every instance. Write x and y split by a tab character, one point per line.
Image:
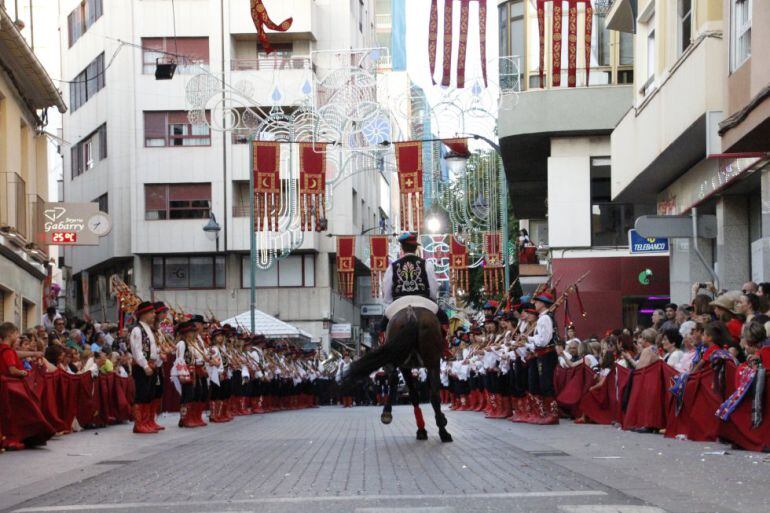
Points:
696	419
22	422
646	408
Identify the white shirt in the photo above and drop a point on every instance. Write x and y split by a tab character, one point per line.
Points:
48	323
135	341
543	332
387	283
674	358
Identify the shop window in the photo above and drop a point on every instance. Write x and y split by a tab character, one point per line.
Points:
188	272
289	272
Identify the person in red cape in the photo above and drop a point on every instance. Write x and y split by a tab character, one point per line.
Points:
22	422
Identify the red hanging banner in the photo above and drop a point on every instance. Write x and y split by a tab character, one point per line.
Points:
447	62
378	261
433	39
409	163
483	38
458	146
262	19
556	44
572	44
458	266
346	265
266	162
462	48
588	32
493	263
312	185
541	31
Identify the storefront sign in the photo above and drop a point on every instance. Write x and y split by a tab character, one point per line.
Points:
372	310
341	331
642	245
75	224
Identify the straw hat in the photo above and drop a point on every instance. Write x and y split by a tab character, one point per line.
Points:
727	301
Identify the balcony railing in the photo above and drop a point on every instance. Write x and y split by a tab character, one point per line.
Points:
270	63
13	202
383	20
36	206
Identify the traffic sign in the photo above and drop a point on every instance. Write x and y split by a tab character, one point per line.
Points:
676	227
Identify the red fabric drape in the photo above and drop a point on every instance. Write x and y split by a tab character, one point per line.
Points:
459	146
378	261
409	163
433	39
447	62
541	31
266	162
576	384
493	263
572	44
738	428
312	185
588	30
462	49
648	400
21	417
346	250
696	420
262	19
556	43
596	404
458	266
483	38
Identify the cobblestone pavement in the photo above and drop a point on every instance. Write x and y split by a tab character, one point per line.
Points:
336	460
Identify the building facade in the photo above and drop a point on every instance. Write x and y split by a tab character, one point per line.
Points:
160	177
555	141
26	91
692	141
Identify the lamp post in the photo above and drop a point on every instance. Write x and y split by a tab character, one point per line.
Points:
212	229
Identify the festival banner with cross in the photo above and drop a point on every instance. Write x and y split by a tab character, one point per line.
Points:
312	185
378	260
458	265
557	39
346	265
261	19
409	163
494	267
449	39
266	160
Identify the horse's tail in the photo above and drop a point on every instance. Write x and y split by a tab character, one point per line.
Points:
395	351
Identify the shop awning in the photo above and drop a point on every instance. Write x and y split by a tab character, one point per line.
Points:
267	325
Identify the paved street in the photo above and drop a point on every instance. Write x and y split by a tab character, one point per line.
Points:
331	459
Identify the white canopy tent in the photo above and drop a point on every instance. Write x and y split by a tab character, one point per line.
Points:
268	326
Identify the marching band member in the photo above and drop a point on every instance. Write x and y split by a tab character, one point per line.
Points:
542	345
144	350
183	371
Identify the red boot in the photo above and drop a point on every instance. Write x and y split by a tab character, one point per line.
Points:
521	410
550	415
483	401
185	416
154	409
141	425
215	412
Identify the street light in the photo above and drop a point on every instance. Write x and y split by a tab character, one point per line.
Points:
212	229
433	224
456	162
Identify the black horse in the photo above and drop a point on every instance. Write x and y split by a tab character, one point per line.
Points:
414	340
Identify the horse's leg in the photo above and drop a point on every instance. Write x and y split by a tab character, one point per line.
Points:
387	411
414	398
435	400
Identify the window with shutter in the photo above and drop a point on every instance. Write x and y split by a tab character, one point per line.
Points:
173	128
189	53
154	128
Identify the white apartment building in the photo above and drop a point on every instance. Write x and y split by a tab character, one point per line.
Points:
133	149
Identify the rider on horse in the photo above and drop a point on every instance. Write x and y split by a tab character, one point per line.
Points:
412	275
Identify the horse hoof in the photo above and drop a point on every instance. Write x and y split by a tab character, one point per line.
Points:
445	437
422	434
386	418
